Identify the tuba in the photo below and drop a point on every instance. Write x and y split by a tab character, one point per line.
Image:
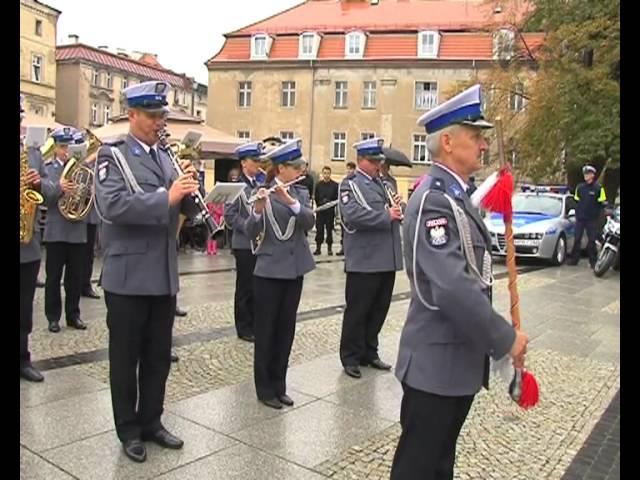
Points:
29	201
76	205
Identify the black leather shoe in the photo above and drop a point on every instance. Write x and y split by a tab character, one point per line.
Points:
317	252
78	324
330	253
91	293
353	371
54	327
165	439
29	373
135	450
286	400
273	403
378	364
174	357
180	312
247	338
340	253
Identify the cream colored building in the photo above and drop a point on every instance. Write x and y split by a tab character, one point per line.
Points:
352	70
91	81
38	31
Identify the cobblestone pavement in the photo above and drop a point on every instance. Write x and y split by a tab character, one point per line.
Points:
572	317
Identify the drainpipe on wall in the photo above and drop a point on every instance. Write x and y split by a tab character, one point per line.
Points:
313	86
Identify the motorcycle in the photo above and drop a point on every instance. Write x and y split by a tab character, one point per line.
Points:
609	252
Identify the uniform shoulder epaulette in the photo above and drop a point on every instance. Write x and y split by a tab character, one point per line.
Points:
437	184
113	144
48	162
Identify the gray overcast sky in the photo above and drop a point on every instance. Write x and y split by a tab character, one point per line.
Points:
183	33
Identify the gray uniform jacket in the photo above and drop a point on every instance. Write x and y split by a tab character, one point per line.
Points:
138	229
57	228
30	252
288	259
235	216
372	241
445	351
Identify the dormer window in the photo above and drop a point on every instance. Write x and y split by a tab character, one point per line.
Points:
503	44
354	45
260	46
428	44
308	44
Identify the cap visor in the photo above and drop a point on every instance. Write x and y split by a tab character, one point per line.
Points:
375	158
478	124
298	162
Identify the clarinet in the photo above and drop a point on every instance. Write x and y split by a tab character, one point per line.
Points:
212	226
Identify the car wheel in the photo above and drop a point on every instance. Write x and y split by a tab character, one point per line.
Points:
560	252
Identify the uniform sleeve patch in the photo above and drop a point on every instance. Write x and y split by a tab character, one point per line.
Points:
345	197
103	171
437	231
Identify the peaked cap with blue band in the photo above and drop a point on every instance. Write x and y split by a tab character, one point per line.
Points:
78	137
371	148
63	136
463	109
588	169
251	149
289	153
148	96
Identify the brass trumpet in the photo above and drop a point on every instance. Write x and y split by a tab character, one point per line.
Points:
390	196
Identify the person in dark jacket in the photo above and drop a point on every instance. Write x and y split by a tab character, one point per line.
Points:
326	192
591	200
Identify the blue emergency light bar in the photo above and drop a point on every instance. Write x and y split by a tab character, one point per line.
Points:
545	189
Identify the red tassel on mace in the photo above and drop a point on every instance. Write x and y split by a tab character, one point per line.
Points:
498	200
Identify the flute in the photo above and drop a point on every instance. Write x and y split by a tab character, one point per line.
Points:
255	197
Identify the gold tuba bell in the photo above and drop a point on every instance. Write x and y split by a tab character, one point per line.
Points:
76	205
29	201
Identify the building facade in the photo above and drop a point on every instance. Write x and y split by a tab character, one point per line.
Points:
335	72
38	31
91	80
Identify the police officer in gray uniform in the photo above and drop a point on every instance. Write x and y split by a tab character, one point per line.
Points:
30	262
451	327
65	241
139	197
93	223
235	216
278	224
373	255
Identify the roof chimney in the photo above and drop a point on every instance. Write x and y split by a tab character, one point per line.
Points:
74	38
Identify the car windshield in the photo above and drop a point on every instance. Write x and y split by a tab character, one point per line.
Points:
540	204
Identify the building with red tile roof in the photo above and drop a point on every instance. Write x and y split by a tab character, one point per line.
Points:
335	71
90	83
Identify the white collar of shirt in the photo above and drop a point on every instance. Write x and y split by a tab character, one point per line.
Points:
146	147
60	162
455	175
358	169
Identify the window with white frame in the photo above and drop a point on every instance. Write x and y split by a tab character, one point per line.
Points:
125	83
306	47
516	98
286	135
199	113
260	46
244	94
503	44
420	153
94	113
367	135
243	134
38	110
426	95
369	95
354	45
39	28
341	95
339	146
95	78
428	43
288	94
36	68
106	114
109	80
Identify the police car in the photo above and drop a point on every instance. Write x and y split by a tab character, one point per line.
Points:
543	224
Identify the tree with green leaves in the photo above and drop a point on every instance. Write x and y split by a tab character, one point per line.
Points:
571	113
